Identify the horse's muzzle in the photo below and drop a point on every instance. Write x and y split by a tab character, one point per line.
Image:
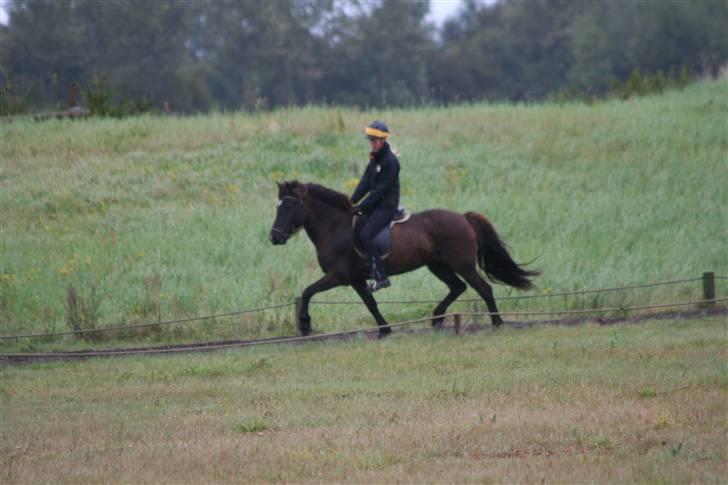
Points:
277	237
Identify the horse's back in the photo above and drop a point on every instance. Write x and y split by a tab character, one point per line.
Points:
430	236
439	223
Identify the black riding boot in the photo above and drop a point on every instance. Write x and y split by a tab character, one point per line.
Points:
379	275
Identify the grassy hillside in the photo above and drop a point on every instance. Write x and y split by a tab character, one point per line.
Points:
623	404
168	217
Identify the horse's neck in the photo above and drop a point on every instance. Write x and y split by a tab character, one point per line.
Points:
324	222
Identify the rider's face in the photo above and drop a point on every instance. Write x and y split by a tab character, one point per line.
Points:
376	144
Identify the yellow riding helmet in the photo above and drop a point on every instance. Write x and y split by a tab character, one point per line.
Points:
377	130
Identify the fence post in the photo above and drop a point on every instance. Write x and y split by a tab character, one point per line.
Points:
709	288
476	309
457	324
297	309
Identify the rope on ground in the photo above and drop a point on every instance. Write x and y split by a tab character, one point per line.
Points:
523	297
324	336
142	325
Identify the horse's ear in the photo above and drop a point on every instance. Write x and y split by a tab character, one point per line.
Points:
287	188
297	189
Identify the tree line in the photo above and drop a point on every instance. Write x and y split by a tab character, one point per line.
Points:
196	56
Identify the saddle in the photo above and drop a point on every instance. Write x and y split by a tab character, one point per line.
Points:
383	240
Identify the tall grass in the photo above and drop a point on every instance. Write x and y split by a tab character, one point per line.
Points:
168	217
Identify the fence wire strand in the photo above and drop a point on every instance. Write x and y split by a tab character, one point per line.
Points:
520	297
143	325
284	305
324	336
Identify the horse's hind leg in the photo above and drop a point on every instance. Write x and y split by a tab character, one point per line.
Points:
457	287
474	279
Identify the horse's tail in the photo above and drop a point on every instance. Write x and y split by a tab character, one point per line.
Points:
493	256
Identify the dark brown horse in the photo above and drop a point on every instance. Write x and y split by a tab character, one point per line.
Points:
451	245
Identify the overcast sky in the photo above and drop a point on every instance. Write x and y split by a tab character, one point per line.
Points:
440	10
3	14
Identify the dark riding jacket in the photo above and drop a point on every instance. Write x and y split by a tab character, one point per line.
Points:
380	180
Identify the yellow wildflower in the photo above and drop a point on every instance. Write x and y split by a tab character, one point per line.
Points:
351	183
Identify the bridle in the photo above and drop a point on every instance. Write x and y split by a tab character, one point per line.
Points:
295	229
280	201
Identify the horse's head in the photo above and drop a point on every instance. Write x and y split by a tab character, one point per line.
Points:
291	212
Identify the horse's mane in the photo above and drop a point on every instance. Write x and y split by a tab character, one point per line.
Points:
329	196
326	195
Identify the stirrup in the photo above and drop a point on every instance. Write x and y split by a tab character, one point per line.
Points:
377	285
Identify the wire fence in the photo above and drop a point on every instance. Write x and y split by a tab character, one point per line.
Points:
521	297
117	328
325	336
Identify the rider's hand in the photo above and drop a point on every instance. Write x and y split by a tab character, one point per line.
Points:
356	210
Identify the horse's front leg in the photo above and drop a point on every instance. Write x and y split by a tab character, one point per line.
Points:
330	280
371	303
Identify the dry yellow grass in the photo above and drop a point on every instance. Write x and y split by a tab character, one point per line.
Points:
634	403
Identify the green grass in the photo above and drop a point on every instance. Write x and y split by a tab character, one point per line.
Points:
627	403
168	217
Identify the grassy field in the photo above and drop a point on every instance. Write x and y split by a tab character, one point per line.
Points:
629	403
160	218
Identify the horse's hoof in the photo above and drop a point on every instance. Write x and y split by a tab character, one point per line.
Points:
304	325
383	332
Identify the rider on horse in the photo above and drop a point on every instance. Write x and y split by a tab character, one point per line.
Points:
381	182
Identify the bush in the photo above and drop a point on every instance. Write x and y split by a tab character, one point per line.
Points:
11	101
639	84
82	314
100	100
